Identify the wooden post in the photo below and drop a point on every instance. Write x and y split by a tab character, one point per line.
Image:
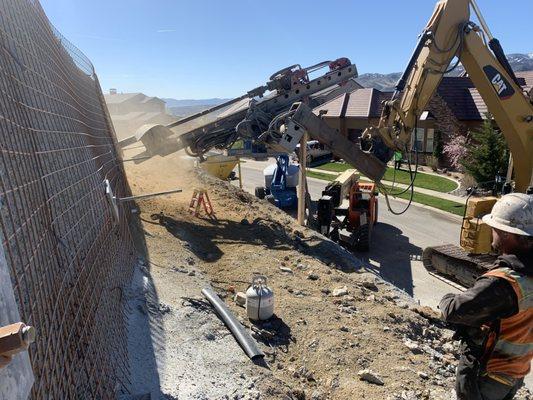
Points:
302	184
240	178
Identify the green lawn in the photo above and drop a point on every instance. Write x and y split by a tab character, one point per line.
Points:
442	204
321	175
426	181
432	201
335	166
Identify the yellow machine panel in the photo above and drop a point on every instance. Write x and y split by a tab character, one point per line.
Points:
476	236
479	206
219	166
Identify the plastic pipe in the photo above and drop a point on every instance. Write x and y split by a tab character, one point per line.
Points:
239	332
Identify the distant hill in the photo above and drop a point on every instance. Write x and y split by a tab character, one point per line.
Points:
383	82
386	82
183	108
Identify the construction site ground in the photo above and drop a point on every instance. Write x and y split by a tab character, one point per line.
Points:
339	332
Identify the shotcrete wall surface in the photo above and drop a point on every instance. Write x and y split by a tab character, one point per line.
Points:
68	260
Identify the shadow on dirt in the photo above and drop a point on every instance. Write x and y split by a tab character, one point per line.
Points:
392	251
197	304
203	238
274	333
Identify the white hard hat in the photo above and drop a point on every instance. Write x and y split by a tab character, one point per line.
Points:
512	213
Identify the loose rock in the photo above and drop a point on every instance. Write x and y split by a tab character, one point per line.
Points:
422	375
338	292
369	282
414	347
370	376
240	298
316	395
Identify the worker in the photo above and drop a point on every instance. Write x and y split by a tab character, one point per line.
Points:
494	318
398	159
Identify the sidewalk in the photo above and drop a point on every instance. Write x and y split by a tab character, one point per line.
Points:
429	192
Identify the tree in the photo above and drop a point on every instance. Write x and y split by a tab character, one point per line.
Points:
456	150
487	154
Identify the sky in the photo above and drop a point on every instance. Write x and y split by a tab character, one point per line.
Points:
193	49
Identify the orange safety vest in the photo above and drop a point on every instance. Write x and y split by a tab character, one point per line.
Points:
510	350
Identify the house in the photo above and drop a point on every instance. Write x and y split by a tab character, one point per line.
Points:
130	111
455	108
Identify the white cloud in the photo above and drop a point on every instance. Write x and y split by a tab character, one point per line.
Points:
165	30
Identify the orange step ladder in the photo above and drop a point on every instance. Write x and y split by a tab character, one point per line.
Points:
201	198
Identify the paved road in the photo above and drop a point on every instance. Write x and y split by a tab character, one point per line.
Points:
395	239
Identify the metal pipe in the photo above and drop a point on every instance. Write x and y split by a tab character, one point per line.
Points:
481	19
145	196
239	332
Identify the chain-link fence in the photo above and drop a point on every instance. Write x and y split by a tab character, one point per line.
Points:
68	260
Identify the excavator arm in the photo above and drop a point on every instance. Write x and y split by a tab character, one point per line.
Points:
449	34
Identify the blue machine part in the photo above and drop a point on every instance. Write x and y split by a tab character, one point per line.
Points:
284	197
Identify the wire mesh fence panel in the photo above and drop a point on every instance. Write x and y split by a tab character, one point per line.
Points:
68	259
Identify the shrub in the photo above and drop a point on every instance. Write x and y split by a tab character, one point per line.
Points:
438	146
432	162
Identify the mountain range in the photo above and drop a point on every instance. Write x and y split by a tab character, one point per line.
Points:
383	82
386	82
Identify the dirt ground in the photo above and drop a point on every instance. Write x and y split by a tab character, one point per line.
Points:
319	343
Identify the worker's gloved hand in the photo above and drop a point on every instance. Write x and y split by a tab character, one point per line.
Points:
4	360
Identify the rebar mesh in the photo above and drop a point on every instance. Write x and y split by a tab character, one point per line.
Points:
68	260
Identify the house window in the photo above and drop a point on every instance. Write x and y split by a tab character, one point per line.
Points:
430	138
419	139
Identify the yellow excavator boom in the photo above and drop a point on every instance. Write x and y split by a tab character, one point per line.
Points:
449	34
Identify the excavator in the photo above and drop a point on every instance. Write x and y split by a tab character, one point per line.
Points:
449	38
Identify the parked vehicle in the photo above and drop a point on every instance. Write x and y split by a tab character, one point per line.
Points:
317	153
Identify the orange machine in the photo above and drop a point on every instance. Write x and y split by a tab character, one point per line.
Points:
349	217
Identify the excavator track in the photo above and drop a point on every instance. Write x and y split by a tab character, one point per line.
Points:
452	262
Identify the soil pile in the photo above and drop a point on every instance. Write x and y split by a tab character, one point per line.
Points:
339	332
